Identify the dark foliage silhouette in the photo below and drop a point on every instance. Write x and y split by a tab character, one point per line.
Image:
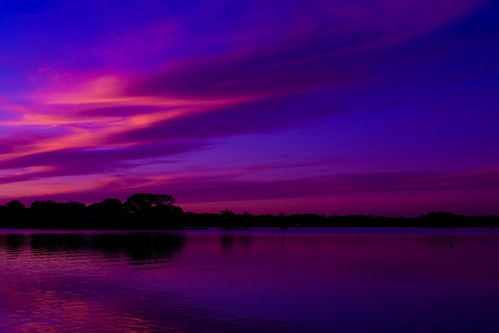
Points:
142	203
146	211
153	209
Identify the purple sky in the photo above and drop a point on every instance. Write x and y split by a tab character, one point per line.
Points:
382	107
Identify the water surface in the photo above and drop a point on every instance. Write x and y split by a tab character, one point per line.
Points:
261	280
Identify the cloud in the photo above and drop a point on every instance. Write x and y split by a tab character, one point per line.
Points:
87	161
192	188
366	193
119	111
224	68
234	119
257	74
222	188
324	44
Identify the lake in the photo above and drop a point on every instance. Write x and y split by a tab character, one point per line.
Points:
260	280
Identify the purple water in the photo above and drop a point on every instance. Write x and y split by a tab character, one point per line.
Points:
315	280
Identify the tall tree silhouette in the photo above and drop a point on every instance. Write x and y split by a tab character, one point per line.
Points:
141	203
14	213
154	211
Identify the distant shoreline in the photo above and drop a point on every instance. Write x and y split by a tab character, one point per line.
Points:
242	231
146	211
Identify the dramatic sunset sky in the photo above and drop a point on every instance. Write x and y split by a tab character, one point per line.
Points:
384	107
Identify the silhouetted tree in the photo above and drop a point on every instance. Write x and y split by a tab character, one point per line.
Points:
108	214
14	214
144	202
42	214
153	210
228	220
15	205
227	212
158	211
112	205
73	214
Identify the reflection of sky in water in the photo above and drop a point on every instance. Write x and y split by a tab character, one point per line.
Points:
265	281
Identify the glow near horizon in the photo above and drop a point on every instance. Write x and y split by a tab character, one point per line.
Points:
371	107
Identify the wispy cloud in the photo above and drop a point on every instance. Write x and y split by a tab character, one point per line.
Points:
173	79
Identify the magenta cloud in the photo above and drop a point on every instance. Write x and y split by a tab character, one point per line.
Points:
118	97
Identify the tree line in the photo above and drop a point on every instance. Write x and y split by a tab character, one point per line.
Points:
139	211
146	211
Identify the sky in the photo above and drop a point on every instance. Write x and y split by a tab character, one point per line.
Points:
335	107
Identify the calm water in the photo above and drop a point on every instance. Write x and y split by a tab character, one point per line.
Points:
343	280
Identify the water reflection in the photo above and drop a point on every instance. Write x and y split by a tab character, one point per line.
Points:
249	281
229	240
13	243
139	248
47	243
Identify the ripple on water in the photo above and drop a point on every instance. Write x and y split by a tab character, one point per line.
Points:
254	282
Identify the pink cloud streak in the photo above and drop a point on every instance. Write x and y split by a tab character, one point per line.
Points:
259	78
